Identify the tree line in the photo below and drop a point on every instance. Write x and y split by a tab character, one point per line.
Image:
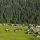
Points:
20	11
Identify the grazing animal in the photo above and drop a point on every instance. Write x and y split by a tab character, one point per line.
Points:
38	36
7	30
29	31
15	30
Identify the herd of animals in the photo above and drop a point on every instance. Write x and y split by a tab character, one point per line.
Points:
29	30
15	30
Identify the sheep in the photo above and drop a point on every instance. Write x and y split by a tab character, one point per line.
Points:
15	30
18	29
6	29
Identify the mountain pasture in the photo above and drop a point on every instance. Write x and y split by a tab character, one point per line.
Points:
18	35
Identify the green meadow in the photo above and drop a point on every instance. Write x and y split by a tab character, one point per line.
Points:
11	35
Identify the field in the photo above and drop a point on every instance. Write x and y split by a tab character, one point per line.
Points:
11	35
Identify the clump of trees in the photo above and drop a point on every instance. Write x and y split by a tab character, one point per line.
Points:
20	11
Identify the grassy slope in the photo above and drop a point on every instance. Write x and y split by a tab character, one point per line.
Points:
14	35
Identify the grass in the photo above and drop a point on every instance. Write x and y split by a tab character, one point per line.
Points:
15	35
